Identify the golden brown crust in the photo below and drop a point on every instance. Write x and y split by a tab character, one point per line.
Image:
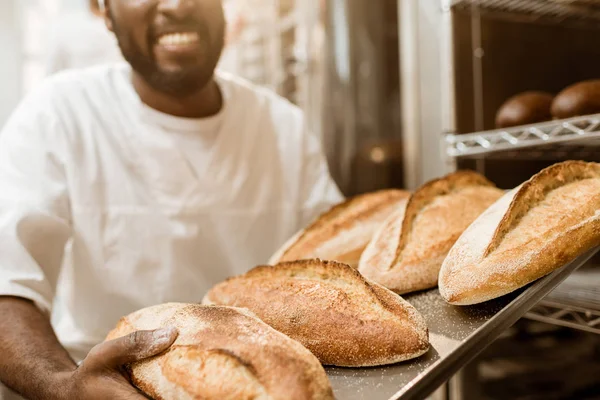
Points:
533	230
342	233
223	353
428	193
535	190
407	252
331	309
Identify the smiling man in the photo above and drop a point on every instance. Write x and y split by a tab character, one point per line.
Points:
131	185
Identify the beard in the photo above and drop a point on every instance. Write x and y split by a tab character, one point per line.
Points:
181	83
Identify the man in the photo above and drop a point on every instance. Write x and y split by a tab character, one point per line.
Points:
126	187
80	39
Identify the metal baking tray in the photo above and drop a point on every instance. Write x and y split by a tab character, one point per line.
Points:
456	333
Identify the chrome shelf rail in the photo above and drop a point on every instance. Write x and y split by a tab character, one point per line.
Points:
566	315
560	131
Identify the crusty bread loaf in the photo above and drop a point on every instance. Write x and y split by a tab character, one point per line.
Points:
582	98
222	353
342	233
531	231
331	309
525	108
407	252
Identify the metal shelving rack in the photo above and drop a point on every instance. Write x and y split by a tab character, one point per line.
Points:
558	134
559	139
430	82
555	11
561	133
558	313
567	131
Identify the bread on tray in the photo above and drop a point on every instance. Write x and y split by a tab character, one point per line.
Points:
406	254
342	233
342	318
531	231
223	353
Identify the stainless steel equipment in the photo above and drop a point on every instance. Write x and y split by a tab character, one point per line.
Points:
457	334
360	95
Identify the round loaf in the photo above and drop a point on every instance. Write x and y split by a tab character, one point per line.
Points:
579	99
222	353
525	108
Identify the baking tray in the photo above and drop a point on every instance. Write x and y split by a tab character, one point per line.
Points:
457	334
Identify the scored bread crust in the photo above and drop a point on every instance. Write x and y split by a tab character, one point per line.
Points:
406	254
342	233
222	353
531	231
341	317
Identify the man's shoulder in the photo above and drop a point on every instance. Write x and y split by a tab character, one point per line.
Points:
260	96
68	81
72	91
64	98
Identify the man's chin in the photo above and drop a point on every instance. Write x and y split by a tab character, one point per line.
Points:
181	83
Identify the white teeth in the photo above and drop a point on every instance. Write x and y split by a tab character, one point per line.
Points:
178	39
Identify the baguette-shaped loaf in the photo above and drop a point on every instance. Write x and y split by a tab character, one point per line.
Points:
406	254
342	233
331	309
531	231
222	353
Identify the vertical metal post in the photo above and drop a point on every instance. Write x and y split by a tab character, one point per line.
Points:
448	83
408	25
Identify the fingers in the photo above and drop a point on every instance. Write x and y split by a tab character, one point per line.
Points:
131	348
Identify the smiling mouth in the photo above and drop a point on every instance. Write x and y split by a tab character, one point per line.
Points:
177	39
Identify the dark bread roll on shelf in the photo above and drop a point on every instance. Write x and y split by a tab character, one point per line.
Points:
525	108
582	98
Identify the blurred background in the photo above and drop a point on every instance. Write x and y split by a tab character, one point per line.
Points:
399	92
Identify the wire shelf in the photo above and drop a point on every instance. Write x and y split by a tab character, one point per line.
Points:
561	131
555	10
554	313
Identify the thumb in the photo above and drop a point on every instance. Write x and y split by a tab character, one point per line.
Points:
130	348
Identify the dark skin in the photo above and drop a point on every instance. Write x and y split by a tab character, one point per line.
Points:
175	78
176	83
95	7
35	365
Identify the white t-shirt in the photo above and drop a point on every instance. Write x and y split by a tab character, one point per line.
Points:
152	208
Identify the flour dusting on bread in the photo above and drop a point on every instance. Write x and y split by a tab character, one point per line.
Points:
533	230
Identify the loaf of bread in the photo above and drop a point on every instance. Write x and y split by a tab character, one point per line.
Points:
342	233
342	318
531	231
406	254
222	353
582	98
525	108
